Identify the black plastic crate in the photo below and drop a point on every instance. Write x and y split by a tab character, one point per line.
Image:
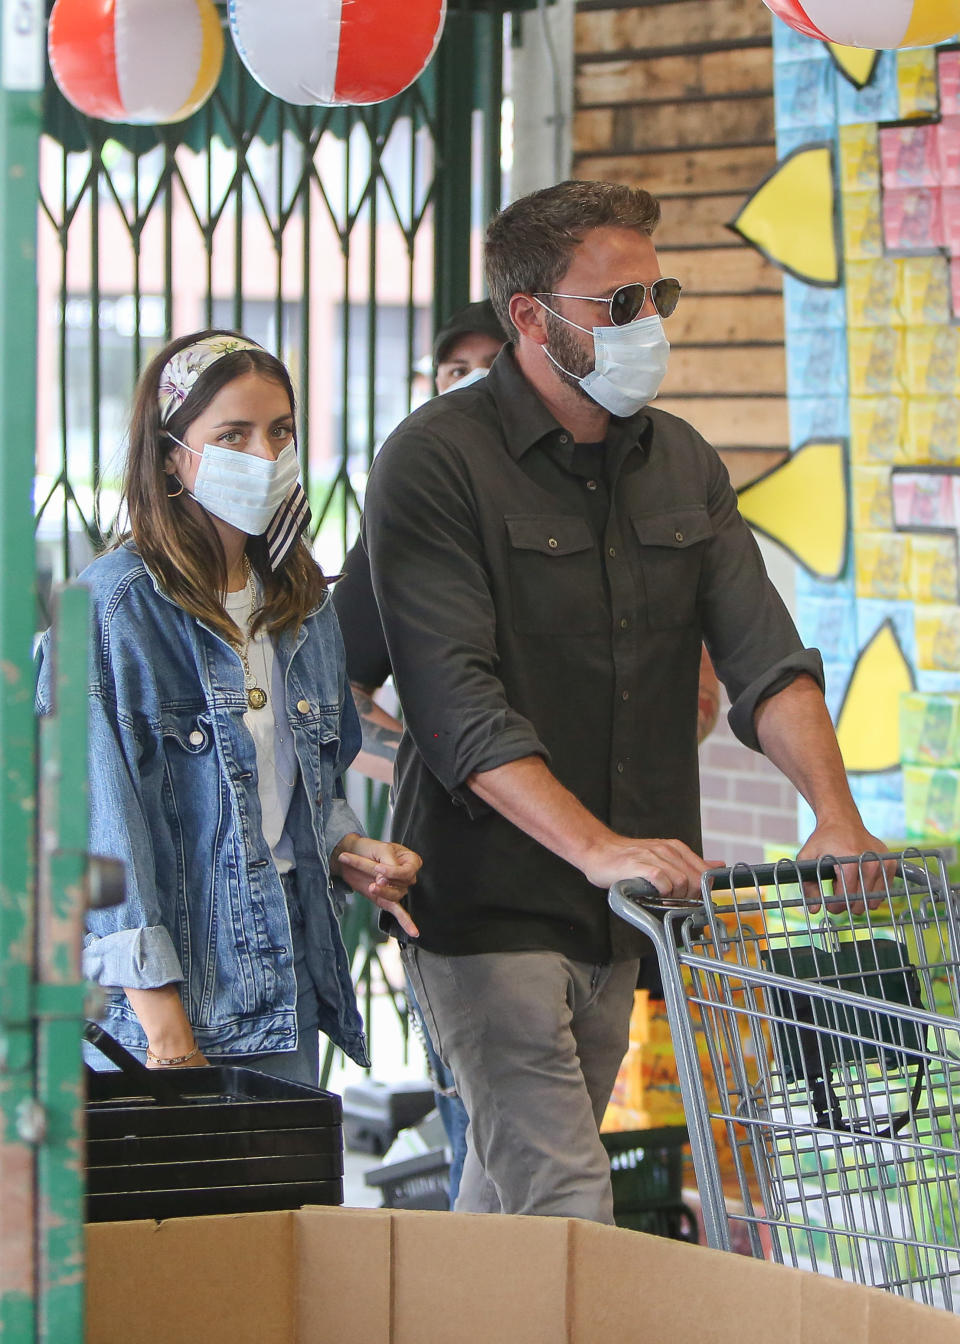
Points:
421	1182
167	1143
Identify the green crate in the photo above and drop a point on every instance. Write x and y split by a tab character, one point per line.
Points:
646	1171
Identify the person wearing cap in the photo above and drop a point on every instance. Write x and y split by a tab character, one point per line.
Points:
463	350
465	347
549	552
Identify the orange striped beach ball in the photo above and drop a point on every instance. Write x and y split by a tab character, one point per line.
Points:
142	62
331	52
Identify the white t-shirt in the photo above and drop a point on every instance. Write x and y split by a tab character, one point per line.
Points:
269	727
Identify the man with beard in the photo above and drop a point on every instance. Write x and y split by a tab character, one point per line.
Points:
548	553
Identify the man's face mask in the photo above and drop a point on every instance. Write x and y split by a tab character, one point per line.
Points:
630	357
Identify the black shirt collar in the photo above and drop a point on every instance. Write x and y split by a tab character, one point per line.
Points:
526	421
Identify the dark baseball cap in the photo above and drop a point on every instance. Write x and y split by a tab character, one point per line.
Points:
474	317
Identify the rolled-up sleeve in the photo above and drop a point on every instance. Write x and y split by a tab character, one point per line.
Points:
749	633
432	586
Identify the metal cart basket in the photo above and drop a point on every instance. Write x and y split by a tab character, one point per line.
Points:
819	1040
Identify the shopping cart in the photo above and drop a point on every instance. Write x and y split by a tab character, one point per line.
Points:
821	1045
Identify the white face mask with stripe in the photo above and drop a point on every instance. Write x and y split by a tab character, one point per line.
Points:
241	489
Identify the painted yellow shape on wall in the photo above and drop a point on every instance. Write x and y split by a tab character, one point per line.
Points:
803	506
791	217
857	63
868	726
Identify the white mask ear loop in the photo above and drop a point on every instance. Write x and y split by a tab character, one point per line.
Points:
586	331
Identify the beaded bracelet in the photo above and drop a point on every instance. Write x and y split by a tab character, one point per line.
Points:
176	1059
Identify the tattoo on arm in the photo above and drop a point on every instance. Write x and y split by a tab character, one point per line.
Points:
378	738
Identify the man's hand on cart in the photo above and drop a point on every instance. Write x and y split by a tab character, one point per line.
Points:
840	838
673	868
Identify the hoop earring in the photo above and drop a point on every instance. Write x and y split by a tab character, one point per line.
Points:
175	494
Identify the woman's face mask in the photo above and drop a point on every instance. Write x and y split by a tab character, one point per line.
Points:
241	489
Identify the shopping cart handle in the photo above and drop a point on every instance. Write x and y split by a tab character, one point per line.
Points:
783	872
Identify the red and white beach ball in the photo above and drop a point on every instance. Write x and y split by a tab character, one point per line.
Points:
137	61
876	24
336	51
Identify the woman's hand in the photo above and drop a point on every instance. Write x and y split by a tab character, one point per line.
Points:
379	870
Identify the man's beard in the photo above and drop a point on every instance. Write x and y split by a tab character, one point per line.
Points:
567	351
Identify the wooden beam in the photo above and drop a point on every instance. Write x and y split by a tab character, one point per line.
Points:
698	221
735	422
685	173
673	78
722	320
673	27
727	370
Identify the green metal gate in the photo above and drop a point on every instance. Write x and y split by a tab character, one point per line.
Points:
335	237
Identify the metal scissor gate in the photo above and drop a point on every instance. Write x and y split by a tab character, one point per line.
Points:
819	1040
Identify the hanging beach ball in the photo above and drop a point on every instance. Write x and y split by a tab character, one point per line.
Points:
141	62
876	24
328	52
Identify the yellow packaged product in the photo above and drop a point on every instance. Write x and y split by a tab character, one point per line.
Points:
933	567
932	361
862	225
877	429
876	361
917	86
938	638
873	293
859	158
924	290
883	565
872	506
933	430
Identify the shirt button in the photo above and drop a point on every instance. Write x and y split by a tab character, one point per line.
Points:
564	438
196	738
619	767
303	706
552	543
624	695
623	622
678	535
591	485
612	552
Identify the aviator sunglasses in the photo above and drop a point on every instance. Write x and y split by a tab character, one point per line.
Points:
626	303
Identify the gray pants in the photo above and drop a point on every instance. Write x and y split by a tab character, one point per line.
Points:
534	1041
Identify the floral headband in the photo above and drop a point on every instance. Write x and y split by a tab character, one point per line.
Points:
183	369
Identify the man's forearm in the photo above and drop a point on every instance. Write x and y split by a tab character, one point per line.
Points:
528	794
796	734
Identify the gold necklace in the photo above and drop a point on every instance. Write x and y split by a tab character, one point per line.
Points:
256	695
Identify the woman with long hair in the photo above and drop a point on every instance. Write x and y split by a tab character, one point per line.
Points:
220	729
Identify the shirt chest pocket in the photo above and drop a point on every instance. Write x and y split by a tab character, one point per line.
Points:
671	554
556	582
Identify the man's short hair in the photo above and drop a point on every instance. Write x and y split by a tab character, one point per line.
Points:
530	244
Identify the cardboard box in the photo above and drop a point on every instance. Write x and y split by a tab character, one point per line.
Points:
381	1276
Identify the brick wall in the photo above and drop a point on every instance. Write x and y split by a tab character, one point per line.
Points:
745	801
677	96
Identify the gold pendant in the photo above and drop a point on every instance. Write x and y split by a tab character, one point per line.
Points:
256	698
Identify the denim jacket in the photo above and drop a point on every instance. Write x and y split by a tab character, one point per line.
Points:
173	793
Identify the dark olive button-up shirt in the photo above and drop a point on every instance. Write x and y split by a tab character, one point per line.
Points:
542	597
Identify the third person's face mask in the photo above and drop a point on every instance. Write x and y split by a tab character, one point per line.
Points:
630	363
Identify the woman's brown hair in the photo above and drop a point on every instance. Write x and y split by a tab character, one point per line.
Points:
179	544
